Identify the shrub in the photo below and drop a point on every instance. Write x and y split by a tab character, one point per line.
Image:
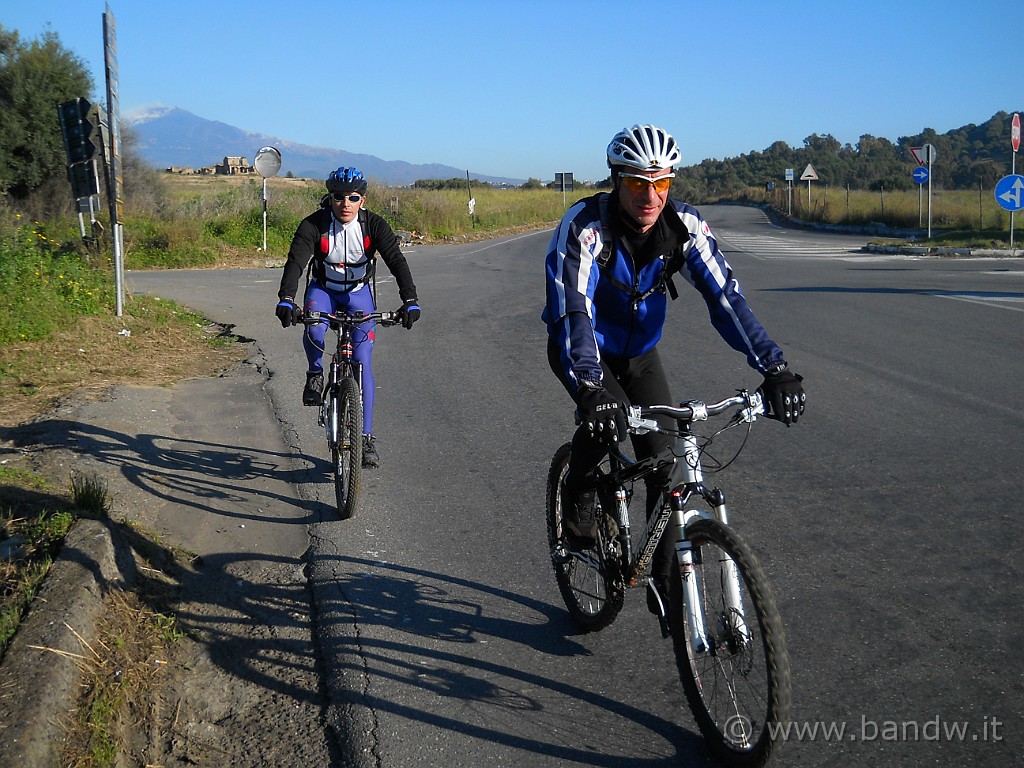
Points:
47	280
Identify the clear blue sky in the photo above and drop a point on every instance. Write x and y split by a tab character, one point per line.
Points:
528	88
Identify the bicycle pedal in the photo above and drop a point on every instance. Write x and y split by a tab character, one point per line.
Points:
560	554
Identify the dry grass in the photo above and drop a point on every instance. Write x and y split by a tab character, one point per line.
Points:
153	344
120	673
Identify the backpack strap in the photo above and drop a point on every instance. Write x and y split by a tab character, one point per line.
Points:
368	249
325	231
675	260
607	238
371	267
607	252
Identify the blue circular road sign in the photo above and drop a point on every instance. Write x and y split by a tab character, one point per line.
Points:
921	174
1009	192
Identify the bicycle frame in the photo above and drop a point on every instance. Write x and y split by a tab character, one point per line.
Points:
686	480
342	363
342	366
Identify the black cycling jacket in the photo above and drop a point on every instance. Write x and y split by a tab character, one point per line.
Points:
378	237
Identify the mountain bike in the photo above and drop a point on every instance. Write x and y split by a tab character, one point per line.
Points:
341	409
726	631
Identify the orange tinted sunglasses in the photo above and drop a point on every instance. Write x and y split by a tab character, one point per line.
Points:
639	184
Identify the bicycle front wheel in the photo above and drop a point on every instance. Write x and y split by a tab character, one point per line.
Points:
732	658
587	580
347	447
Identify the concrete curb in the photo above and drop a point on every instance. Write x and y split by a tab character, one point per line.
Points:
883	230
41	675
926	250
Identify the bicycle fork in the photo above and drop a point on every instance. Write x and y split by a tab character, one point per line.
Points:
330	418
693	606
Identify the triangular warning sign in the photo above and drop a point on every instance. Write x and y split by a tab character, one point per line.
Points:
809	174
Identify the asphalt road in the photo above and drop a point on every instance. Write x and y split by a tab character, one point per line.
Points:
886	519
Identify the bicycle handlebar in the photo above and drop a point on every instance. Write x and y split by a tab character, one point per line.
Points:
336	319
750	403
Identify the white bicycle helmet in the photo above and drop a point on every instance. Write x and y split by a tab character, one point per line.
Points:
644	147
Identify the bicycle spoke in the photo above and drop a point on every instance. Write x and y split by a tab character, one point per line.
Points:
347	453
591	593
738	685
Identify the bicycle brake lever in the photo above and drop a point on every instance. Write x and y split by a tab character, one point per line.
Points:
754	408
639	425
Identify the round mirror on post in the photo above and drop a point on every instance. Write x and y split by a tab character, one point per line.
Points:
267	163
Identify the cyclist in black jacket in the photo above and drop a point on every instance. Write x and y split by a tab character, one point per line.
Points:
342	239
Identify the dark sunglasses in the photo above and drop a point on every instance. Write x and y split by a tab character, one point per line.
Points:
352	197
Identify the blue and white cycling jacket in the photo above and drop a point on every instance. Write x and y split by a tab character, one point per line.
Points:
589	313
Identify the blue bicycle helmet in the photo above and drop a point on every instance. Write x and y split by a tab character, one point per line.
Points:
346	180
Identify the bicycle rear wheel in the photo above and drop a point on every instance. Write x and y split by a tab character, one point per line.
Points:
734	668
346	413
587	580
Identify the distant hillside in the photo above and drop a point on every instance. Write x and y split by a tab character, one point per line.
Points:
169	137
969	157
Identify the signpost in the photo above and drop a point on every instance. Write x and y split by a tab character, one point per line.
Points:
809	175
1009	190
921	175
114	178
472	200
564	181
1009	194
925	156
1015	144
789	178
267	163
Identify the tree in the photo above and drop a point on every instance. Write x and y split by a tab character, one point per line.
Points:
34	79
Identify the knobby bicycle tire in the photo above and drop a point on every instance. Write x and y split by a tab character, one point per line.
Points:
739	689
588	581
347	450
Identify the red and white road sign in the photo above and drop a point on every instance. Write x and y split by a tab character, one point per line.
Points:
924	155
1015	132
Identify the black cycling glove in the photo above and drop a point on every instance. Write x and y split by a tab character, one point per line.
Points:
408	314
286	312
601	414
784	397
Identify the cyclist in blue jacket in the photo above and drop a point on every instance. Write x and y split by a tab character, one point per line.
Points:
342	239
609	272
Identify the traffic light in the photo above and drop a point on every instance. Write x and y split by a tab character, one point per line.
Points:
77	128
84	179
